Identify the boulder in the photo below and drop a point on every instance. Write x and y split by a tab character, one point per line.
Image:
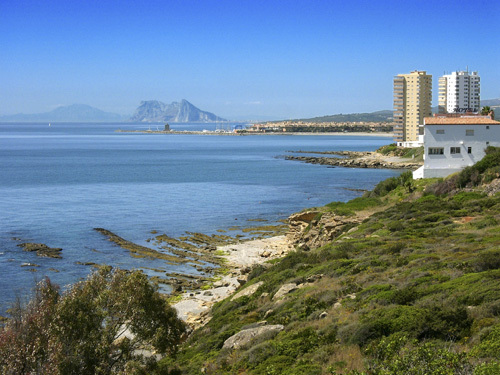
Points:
245	336
248	291
285	289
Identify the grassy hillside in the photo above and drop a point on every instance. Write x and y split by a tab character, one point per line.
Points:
379	116
415	288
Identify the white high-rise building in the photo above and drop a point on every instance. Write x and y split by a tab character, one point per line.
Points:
459	92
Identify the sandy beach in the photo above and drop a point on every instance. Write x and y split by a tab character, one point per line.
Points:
240	257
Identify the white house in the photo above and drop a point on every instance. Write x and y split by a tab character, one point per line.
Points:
452	142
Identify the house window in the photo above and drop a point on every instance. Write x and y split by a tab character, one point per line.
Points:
454	150
469	150
487	126
440	131
436	151
469	132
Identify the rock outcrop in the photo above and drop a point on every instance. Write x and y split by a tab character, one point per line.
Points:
285	289
183	111
312	229
353	159
41	249
245	336
248	291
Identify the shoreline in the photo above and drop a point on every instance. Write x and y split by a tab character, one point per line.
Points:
192	132
356	159
194	306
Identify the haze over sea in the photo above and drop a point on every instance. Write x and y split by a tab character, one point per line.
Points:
59	182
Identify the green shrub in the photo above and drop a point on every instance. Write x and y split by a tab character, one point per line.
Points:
386	186
487	221
293	344
387	149
487	260
416	358
422	323
395	226
256	271
491	173
466	196
489	347
259	353
275	365
354	205
491	368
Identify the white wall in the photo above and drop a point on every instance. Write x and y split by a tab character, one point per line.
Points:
455	136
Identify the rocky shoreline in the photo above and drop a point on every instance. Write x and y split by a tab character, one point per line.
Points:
194	306
306	230
356	159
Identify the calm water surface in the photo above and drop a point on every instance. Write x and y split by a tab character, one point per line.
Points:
57	183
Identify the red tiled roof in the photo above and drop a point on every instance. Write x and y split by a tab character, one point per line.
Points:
464	120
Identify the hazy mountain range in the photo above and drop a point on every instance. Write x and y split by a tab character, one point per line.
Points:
184	111
70	113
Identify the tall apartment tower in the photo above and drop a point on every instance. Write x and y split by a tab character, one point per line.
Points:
412	102
459	92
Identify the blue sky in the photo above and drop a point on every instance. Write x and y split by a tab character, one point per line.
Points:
280	58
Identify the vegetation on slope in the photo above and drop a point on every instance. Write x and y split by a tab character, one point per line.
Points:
404	152
84	330
379	116
415	289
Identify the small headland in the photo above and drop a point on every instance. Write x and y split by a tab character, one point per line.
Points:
358	159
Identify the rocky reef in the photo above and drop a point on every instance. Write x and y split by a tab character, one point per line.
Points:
356	159
41	249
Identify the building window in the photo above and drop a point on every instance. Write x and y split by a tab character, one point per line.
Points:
469	150
440	131
487	126
454	150
436	151
469	132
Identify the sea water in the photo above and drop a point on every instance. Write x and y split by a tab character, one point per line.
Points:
58	182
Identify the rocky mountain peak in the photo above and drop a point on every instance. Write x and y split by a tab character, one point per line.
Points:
183	111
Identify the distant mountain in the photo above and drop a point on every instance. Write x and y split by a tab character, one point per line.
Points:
490	103
70	113
493	103
379	116
254	118
183	111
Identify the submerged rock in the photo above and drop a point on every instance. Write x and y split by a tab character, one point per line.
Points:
41	249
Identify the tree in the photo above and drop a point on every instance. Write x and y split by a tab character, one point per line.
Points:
485	110
101	325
